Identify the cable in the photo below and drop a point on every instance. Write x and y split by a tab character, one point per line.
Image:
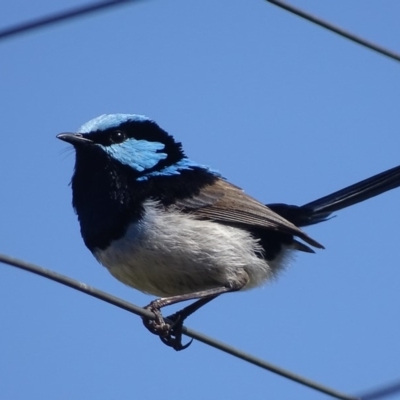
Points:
58	17
380	393
115	301
336	29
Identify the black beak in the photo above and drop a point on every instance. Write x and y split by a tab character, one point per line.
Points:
74	138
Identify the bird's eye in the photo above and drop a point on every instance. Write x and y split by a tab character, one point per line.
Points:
117	137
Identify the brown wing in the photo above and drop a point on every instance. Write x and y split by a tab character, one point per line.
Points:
227	203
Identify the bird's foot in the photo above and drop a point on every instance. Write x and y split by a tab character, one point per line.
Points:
157	326
169	334
174	337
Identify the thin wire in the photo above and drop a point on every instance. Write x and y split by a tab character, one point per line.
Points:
115	301
59	17
380	393
336	29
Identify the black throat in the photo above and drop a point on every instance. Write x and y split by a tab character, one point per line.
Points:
107	196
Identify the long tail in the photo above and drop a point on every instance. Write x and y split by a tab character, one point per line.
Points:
320	209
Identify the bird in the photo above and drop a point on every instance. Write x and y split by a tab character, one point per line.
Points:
170	227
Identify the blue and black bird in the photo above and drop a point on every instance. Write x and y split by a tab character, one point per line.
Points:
168	226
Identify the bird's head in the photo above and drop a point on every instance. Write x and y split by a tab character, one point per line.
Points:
129	139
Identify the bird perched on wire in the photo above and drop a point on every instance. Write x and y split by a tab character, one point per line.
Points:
168	226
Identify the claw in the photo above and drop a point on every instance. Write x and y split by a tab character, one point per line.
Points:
174	337
169	334
175	343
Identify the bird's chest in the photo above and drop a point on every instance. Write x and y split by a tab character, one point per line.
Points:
169	253
156	255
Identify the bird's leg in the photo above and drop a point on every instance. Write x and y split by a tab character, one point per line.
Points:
157	325
171	334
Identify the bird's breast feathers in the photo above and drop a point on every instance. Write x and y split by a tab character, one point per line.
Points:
171	253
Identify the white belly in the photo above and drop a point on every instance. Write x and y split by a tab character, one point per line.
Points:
167	254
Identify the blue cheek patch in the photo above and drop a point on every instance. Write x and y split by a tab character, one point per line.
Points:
138	154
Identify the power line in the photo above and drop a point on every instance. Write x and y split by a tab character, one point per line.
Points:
115	301
336	29
59	17
384	391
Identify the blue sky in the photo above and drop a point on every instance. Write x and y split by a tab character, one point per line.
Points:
282	108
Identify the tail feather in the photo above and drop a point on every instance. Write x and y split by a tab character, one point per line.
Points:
321	209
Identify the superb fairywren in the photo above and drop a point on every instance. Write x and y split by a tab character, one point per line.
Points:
176	229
